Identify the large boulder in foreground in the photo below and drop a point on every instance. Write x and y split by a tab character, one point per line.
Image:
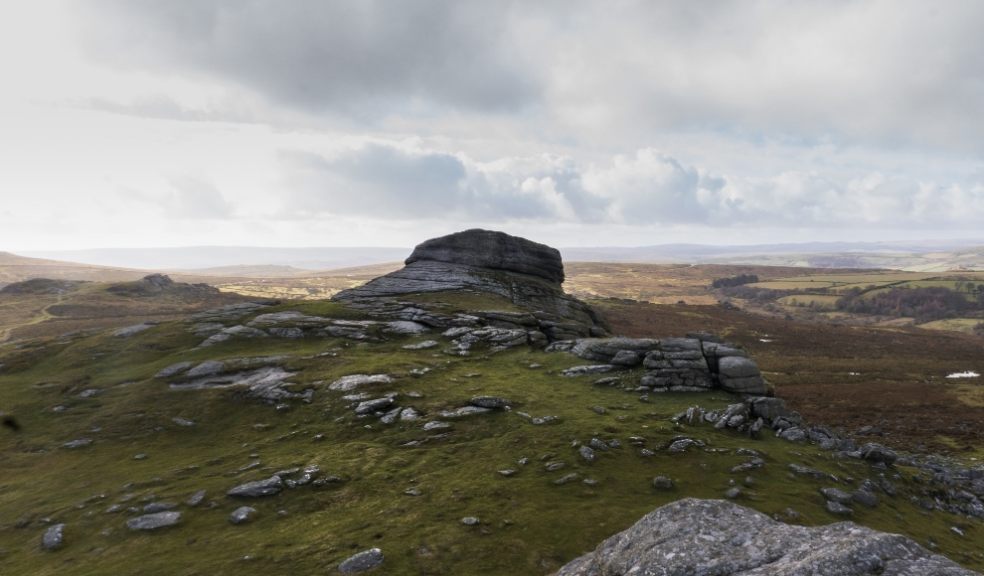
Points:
693	536
493	250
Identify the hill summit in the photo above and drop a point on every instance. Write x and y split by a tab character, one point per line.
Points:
525	275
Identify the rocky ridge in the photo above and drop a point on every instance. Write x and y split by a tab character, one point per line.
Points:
692	536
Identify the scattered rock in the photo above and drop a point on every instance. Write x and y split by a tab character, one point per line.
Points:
838	508
154	521
196	498
878	454
575	371
425	345
663	483
374	405
257	489
242	515
463	412
470	521
436	425
353	381
207	368
587	454
54	537
78	443
362	562
490	402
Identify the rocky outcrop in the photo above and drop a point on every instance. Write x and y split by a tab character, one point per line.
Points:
694	536
493	250
156	284
527	274
694	364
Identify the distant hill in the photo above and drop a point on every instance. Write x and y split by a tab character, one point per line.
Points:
258	262
195	258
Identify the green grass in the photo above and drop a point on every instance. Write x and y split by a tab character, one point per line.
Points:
529	524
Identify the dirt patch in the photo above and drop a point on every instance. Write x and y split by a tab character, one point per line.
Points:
843	376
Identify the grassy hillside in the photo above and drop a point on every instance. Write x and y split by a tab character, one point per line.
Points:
394	486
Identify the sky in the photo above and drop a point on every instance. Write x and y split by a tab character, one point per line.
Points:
134	123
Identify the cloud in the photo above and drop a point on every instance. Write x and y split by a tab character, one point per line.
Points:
648	188
878	72
325	56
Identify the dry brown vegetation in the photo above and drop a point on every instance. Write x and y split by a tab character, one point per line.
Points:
845	376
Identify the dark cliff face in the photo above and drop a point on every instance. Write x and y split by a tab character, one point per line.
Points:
493	250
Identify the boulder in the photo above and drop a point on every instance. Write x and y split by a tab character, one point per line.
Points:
362	562
242	515
693	536
154	521
495	250
258	488
54	537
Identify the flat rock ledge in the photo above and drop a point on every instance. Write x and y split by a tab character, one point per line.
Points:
716	537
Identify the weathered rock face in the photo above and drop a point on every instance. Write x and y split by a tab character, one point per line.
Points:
526	273
692	364
494	250
694	536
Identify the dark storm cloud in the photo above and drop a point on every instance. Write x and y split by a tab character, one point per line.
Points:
364	57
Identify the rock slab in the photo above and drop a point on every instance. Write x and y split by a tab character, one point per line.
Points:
693	536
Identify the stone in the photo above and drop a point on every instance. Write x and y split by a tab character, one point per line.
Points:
575	371
425	345
766	407
154	521
490	402
353	381
663	483
693	536
836	495
183	422
794	434
679	445
463	412
471	521
375	405
159	507
53	538
362	562
838	508
494	250
436	425
877	453
77	443
865	498
258	488
197	498
207	368
587	454
242	515
405	328
567	479
173	369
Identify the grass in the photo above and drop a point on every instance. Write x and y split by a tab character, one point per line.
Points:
529	525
